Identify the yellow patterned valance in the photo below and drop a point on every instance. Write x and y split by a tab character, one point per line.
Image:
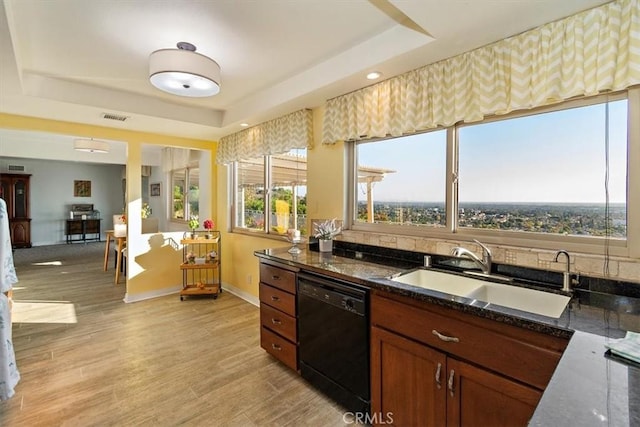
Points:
276	136
588	53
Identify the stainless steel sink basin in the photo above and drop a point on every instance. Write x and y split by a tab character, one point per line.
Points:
529	300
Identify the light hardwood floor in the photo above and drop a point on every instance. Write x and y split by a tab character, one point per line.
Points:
160	362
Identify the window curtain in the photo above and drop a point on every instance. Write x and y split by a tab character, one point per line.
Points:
585	54
276	136
145	171
175	158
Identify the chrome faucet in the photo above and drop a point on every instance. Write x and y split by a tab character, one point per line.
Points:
484	263
567	280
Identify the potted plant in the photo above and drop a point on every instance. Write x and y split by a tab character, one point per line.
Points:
193	225
145	211
208	225
325	231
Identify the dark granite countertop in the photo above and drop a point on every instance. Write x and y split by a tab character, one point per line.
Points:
587	388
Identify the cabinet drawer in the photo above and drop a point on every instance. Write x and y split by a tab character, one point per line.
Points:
279	348
279	299
278	277
521	354
279	322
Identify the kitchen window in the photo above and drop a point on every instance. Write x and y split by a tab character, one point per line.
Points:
402	181
545	173
185	200
549	176
270	193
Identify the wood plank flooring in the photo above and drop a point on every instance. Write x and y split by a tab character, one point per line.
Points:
160	362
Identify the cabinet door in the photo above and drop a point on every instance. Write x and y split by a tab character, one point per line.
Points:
408	381
477	397
21	198
20	231
92	226
74	226
6	193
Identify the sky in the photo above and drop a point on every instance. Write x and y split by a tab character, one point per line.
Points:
554	157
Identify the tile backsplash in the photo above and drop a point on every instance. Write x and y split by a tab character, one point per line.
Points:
620	268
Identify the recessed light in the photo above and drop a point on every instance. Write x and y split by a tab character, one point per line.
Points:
244	125
374	75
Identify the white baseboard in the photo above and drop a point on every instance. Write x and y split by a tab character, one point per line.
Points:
151	294
251	299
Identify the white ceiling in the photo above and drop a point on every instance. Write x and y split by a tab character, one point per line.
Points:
73	60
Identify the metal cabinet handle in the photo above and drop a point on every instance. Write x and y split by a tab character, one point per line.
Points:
276	321
438	369
445	337
277	347
274	298
450	382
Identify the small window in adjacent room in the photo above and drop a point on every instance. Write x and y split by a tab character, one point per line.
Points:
185	184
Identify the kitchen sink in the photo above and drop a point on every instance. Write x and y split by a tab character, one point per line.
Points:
441	282
529	300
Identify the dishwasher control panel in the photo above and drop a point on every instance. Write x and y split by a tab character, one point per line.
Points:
337	297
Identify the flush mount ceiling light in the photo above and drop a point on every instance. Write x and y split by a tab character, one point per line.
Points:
374	75
91	146
184	72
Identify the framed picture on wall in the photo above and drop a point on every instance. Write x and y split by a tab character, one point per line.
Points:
81	188
154	189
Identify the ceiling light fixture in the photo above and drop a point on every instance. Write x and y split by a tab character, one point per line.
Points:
184	72
374	75
244	125
91	146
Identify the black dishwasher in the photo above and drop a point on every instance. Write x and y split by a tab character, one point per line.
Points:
333	334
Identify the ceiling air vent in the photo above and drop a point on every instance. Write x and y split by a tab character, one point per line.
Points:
117	117
15	168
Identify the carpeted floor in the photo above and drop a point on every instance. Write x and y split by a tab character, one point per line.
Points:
62	252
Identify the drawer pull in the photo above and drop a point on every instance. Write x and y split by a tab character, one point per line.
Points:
275	277
438	376
276	321
444	337
450	383
277	347
275	298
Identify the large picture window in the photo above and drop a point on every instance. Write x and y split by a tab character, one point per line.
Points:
546	172
271	192
552	175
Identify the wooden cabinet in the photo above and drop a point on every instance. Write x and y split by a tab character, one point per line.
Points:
201	273
278	313
14	189
476	396
84	229
408	380
434	366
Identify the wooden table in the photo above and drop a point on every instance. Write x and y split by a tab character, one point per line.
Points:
121	242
